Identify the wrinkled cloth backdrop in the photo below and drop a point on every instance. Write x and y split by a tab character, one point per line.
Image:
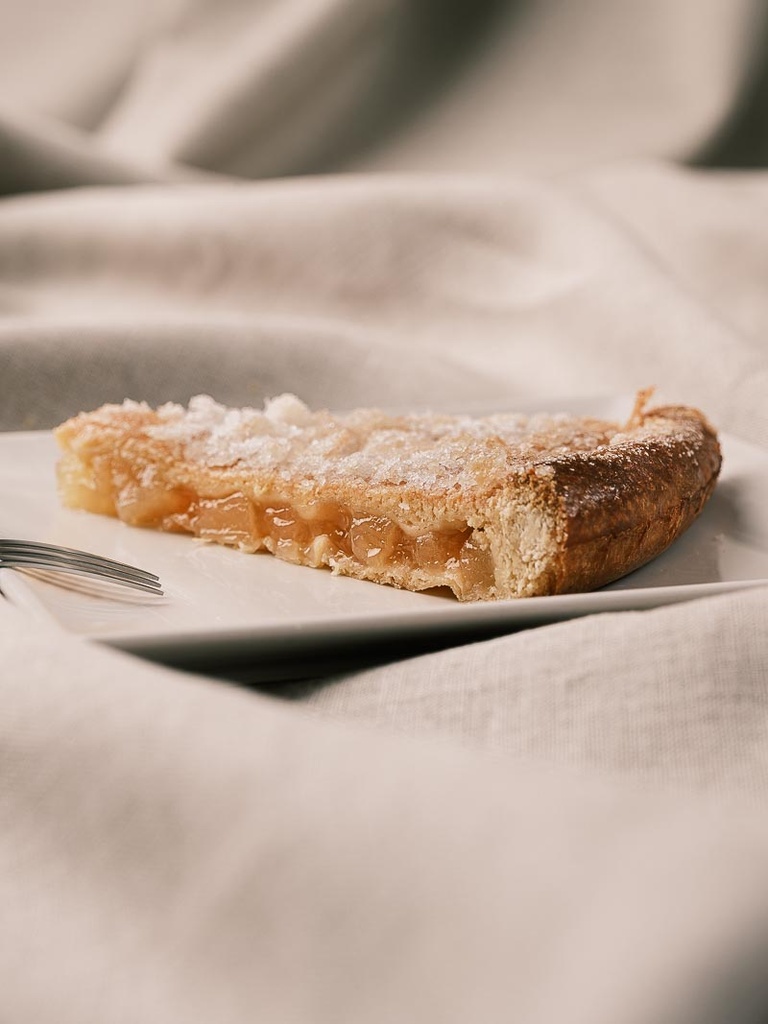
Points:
391	202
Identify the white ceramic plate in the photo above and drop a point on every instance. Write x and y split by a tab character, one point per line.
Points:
282	621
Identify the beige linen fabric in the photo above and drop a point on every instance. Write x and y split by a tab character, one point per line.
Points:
567	692
395	202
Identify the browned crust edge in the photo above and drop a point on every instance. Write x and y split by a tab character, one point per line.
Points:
623	506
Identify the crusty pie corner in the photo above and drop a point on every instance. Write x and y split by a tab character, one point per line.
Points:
502	506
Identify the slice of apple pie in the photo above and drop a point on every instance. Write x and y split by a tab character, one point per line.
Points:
496	507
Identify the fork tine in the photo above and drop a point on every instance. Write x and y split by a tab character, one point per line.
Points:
14	548
31	562
36	555
85	568
81	567
147	586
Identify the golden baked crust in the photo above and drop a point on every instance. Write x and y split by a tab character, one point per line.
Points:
494	507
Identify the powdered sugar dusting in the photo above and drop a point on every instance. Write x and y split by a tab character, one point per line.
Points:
369	447
287	409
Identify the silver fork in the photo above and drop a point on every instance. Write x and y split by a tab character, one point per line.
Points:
27	554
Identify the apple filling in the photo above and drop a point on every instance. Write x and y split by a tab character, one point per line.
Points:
325	533
317	533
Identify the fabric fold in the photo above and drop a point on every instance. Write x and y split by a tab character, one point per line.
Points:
478	204
196	850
